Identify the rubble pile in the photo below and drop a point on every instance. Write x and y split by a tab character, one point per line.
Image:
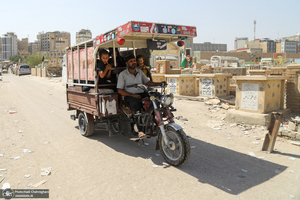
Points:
290	128
216	104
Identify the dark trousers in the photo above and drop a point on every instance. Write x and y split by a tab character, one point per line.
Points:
135	105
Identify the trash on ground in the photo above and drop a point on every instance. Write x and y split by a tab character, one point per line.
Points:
46	171
3	170
16	121
193	147
243	170
157	154
291	158
146	144
295	143
229	138
37	184
26	151
12	112
252	154
155	166
5	186
27	176
232	125
255	142
20	131
15	158
1	155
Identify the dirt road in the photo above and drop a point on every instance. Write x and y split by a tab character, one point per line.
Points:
100	167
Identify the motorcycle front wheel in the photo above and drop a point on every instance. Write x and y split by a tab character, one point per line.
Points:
178	151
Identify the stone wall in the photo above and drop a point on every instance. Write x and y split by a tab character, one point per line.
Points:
293	88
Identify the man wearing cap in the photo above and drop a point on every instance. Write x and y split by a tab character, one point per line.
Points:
132	96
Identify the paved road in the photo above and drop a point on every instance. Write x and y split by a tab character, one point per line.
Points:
100	167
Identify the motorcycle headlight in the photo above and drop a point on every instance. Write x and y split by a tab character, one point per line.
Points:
167	100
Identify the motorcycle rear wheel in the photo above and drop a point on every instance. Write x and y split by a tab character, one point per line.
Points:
179	151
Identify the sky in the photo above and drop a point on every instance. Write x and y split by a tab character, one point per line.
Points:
217	21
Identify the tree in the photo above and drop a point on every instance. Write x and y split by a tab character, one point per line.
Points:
15	58
33	60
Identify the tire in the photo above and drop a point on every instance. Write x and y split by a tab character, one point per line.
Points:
179	155
86	128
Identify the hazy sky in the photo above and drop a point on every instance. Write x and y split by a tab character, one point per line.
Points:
217	21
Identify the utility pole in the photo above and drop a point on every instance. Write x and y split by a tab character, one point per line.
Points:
254	28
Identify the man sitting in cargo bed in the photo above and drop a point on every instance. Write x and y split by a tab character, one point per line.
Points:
133	96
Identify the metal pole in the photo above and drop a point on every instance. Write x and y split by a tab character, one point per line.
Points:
86	63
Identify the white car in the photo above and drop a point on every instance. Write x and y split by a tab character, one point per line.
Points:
23	69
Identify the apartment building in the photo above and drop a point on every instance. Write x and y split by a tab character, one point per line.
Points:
83	35
53	44
34	47
288	46
267	45
9	45
240	42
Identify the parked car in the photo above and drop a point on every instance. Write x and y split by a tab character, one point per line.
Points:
4	70
23	69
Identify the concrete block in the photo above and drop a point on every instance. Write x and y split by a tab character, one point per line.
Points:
285	133
292	135
292	126
236	116
298	136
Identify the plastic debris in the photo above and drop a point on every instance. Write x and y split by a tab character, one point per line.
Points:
3	170
232	125
12	112
246	133
5	186
26	151
39	183
255	142
20	131
193	147
252	154
157	154
1	155
229	138
291	158
27	176
155	166
146	144
46	171
243	170
15	158
295	143
16	121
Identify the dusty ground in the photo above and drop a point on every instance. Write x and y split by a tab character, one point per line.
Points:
100	167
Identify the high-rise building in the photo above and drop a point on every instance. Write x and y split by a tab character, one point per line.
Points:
267	45
207	46
9	45
34	47
240	43
53	44
288	46
83	35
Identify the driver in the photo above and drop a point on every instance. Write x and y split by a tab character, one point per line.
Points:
133	96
